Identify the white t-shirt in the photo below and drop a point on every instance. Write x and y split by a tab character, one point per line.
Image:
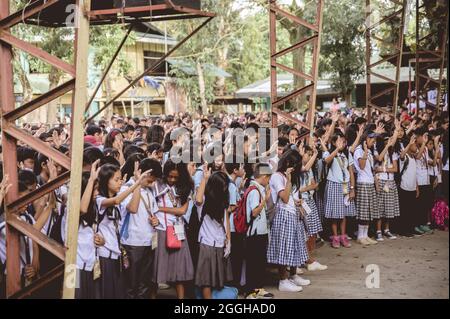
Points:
409	177
432	96
423	178
387	163
139	228
364	175
277	184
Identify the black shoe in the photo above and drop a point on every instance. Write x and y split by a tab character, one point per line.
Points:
408	235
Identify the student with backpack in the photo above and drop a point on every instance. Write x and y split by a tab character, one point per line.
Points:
287	244
254	202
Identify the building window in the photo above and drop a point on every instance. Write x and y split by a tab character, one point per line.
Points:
150	58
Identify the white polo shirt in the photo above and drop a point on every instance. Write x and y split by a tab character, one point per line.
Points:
85	245
164	200
277	184
409	177
259	225
336	173
364	175
423	178
139	228
387	163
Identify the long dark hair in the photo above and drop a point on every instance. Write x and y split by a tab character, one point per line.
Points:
109	140
291	158
380	144
128	167
107	171
155	134
216	196
89	216
185	184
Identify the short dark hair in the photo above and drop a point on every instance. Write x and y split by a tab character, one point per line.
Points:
24	153
230	167
129	128
151	164
154	147
93	129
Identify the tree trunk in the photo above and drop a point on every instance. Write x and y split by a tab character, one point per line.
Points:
108	113
348	99
202	89
52	107
27	90
222	52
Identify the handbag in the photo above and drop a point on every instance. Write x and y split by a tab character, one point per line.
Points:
172	241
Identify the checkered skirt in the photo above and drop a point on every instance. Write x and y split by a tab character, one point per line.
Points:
366	202
388	203
287	241
313	223
320	204
335	207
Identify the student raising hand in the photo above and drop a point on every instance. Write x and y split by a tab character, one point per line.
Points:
4	188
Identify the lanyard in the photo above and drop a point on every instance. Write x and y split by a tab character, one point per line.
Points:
341	161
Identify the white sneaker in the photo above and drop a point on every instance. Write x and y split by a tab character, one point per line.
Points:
288	286
163	286
299	281
316	266
299	271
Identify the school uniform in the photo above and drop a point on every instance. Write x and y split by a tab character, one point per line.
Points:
86	258
425	202
366	197
387	193
287	243
312	220
137	234
110	285
407	196
256	239
170	265
237	239
213	270
320	193
445	177
25	247
338	187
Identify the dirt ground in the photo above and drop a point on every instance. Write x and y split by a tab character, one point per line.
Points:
408	268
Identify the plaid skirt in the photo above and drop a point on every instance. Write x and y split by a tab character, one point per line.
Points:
287	241
367	202
388	203
320	204
335	207
313	223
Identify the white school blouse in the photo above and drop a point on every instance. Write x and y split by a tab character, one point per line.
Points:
211	232
335	173
108	230
277	184
409	177
423	178
140	230
387	163
364	175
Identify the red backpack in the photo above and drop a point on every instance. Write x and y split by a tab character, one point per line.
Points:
240	215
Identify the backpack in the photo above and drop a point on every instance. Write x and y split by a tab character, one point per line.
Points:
439	213
240	216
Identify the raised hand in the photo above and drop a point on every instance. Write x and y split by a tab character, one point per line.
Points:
289	173
53	172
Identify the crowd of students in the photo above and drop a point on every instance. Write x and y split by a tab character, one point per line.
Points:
148	220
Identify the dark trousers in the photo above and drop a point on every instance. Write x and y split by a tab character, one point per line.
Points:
425	204
237	256
408	211
256	249
86	288
138	275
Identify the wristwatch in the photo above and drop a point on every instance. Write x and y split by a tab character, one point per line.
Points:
352	187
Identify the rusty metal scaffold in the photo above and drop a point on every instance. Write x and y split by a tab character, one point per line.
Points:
276	13
392	37
48	13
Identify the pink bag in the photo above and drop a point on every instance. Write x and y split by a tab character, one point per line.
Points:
172	241
439	213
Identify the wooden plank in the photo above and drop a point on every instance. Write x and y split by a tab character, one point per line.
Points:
45	242
79	102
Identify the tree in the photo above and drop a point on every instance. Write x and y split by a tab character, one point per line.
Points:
343	47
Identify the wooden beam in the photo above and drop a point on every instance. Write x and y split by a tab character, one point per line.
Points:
293	71
294	18
45	242
37	52
290	118
286	98
78	106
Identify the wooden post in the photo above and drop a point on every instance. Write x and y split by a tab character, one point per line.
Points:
79	102
132	107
